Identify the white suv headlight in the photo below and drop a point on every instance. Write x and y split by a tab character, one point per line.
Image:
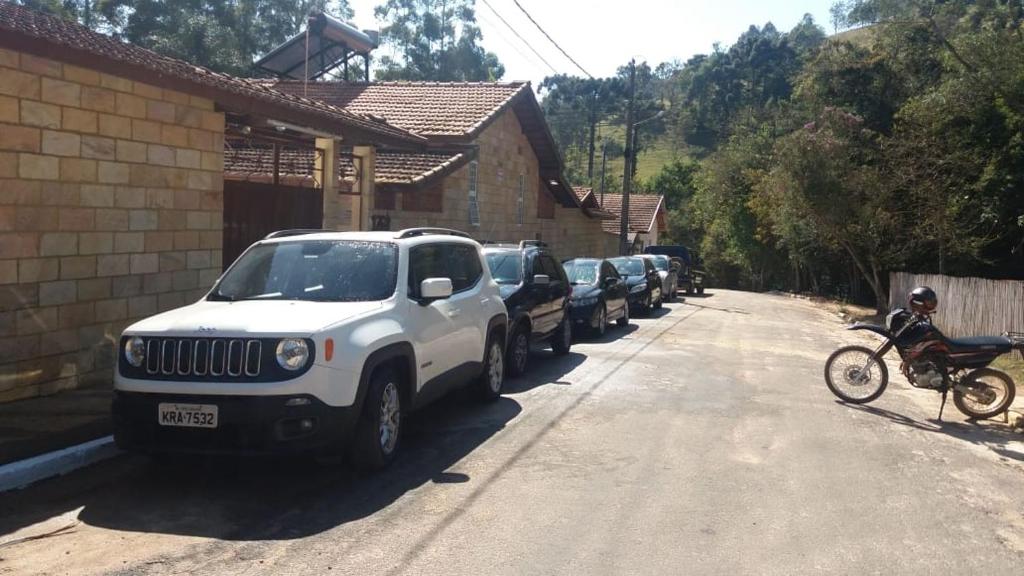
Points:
292	353
135	351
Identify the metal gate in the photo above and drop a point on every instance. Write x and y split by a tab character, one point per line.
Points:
252	210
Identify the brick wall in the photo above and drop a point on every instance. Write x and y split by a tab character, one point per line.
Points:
110	211
504	155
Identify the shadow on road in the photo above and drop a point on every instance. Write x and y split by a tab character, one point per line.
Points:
261	499
729	310
992	434
611	334
544	368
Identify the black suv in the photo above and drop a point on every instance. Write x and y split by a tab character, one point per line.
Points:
536	292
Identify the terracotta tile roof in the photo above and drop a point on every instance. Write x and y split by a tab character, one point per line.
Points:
582	192
48	36
393	168
643	210
428	108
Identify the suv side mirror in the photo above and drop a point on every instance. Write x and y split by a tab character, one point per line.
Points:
541	279
433	289
610	281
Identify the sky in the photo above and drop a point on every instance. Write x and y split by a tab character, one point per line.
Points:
602	35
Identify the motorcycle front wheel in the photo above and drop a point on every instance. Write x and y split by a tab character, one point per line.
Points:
855	376
988	393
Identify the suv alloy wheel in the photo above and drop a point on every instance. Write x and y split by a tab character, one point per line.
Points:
493	377
518	351
379	429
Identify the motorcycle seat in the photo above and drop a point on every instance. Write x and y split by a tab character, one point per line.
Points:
999	344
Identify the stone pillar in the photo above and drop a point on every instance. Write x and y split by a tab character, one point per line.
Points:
327	167
365	158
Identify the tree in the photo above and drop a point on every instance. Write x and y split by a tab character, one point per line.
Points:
434	40
828	174
224	35
573	107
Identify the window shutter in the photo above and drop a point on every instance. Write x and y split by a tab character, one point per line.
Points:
521	200
474	204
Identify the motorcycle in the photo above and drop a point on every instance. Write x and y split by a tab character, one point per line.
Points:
930	360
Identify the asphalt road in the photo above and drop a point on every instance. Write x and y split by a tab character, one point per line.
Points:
699	441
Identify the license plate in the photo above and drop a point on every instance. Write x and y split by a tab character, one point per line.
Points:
187	415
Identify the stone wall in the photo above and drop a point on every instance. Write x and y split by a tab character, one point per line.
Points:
504	155
111	201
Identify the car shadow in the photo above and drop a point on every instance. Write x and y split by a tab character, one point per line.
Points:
613	333
262	499
989	433
657	312
544	367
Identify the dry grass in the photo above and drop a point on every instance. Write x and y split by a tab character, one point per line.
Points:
1012	365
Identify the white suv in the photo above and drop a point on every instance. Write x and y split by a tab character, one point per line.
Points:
314	340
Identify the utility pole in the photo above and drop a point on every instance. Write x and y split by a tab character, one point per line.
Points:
604	163
593	133
627	173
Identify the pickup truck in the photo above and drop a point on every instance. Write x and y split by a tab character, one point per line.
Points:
691	274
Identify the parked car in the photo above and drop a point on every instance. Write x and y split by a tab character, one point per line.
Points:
598	294
536	293
668	272
314	341
691	275
642	281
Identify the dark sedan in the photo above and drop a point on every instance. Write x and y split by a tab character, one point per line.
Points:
598	294
642	281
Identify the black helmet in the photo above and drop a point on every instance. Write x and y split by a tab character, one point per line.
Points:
923	300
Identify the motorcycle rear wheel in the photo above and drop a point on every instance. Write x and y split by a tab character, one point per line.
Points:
854	376
985	382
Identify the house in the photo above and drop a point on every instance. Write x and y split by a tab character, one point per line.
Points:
112	202
646	217
491	166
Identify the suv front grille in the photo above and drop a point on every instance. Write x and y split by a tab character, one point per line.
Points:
202	357
210	360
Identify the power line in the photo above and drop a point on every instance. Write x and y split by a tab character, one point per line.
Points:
510	42
528	45
552	40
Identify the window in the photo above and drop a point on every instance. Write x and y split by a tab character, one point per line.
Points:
458	263
313	270
506	266
581	272
474	205
425	261
521	200
463	266
545	264
608	271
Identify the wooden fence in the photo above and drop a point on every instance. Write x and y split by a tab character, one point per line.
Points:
967	306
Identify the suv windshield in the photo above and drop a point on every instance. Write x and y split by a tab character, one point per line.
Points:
581	272
506	266
314	270
628	266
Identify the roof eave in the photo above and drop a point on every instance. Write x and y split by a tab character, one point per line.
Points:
240	103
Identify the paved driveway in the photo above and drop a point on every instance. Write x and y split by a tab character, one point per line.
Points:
698	441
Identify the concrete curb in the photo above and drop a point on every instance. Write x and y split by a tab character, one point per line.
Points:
24	472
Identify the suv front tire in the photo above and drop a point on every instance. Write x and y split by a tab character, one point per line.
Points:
379	429
493	377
